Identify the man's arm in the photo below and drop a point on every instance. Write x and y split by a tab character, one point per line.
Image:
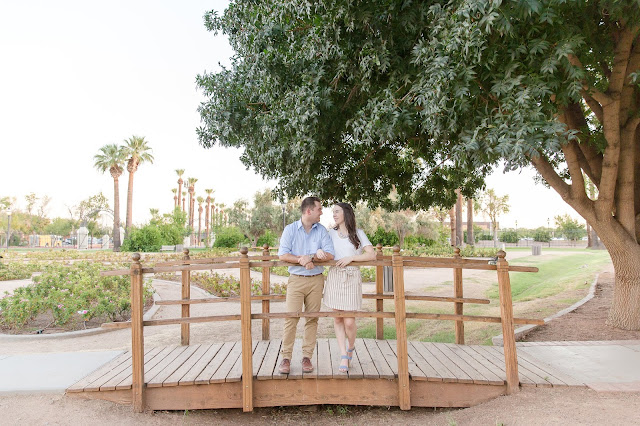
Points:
286	244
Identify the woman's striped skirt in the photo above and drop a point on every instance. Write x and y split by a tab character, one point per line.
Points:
343	289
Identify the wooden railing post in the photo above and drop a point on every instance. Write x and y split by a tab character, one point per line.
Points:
245	324
404	395
457	292
137	336
506	314
266	289
379	290
186	295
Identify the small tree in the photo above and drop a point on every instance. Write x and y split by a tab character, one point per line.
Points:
493	206
570	228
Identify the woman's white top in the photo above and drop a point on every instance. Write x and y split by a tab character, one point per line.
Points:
343	246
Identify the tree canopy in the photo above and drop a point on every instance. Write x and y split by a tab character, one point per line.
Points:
351	99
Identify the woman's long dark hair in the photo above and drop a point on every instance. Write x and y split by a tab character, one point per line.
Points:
350	223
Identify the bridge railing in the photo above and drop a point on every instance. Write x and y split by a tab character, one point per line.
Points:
266	261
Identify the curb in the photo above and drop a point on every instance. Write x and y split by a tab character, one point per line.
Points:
524	330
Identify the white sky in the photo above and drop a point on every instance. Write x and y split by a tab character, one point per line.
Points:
77	75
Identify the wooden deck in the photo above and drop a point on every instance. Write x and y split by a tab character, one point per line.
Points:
210	376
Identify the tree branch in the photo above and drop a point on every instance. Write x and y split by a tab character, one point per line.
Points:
602	98
622	52
593	104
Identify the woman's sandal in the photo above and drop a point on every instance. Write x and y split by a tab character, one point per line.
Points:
350	352
344	368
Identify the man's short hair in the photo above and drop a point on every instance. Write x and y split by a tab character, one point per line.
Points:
309	203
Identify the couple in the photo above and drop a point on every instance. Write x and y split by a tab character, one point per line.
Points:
301	243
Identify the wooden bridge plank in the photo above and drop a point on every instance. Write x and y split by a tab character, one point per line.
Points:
235	374
314	361
389	355
325	371
221	373
296	360
459	360
116	375
431	374
116	382
414	371
258	356
443	371
190	377
355	368
171	368
384	371
458	372
166	363
369	370
335	360
498	360
176	376
276	373
268	365
101	371
213	366
539	381
498	374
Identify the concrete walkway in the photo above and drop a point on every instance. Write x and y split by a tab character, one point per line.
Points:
603	366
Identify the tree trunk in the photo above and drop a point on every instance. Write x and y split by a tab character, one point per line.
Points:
452	225
470	237
116	215
129	204
625	308
459	233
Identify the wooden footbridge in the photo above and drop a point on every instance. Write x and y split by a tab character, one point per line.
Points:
244	374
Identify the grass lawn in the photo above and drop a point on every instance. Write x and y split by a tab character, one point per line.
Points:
563	278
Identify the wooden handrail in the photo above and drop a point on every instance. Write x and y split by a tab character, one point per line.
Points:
323	314
266	262
281	297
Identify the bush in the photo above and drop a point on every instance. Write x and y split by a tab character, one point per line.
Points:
268	238
144	239
509	236
387	239
542	235
70	293
18	270
228	236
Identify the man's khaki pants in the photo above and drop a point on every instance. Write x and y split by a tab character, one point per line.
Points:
301	291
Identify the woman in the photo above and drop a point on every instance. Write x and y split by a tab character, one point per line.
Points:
343	290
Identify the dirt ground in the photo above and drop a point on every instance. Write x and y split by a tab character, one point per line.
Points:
530	406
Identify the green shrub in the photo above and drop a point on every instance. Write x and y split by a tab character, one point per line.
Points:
144	239
228	236
223	285
18	270
541	235
509	236
268	238
70	293
387	239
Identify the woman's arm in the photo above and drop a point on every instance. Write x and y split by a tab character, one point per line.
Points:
367	254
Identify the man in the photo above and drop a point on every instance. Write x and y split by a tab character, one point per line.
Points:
300	242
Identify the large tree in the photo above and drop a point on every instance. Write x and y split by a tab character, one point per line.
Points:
138	151
112	158
430	96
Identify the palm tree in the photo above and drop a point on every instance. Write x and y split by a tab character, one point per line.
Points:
206	216
200	201
179	172
112	158
138	151
192	182
175	197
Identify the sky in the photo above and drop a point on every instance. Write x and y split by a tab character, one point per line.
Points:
77	75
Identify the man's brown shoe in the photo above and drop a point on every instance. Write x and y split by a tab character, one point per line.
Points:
285	366
307	367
